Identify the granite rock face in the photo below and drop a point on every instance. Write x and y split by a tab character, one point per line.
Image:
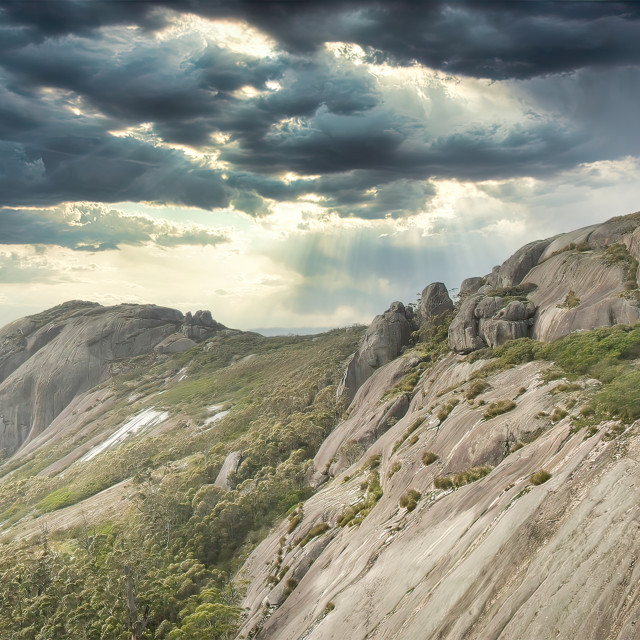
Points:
571	285
383	342
513	270
434	301
229	468
48	359
470	286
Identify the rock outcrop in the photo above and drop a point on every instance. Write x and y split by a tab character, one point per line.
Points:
383	342
48	359
560	285
434	301
513	270
229	468
470	286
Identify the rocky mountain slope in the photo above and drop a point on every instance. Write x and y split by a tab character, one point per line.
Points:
463	469
490	495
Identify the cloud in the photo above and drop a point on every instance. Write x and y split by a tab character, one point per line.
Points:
170	112
84	227
478	38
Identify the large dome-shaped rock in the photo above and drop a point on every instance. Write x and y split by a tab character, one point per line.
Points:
48	359
434	302
383	342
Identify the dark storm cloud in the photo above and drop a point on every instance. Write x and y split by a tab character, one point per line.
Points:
494	39
95	228
326	117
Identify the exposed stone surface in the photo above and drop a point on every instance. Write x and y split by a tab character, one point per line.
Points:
383	342
470	286
175	343
229	468
571	262
403	574
330	460
434	301
597	286
514	269
464	334
489	321
48	359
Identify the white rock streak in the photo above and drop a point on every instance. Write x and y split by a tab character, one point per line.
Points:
146	418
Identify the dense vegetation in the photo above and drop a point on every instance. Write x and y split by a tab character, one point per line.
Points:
161	570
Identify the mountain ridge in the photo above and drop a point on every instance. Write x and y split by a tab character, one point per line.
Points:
429	477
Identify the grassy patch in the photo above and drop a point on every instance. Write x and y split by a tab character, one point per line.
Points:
456	480
498	408
407	383
475	389
571	301
432	339
539	477
446	409
314	532
410	499
516	292
565	387
428	457
558	414
355	514
415	425
395	467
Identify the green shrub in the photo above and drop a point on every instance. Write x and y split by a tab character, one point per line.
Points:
446	409
315	531
499	407
373	462
355	514
476	388
428	457
539	477
454	481
410	499
571	301
558	414
407	383
621	397
291	584
565	387
395	467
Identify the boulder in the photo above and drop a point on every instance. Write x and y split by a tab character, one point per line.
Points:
434	301
229	468
514	269
175	343
470	286
489	321
464	335
384	340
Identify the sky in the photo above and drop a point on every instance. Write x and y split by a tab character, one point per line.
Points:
301	163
